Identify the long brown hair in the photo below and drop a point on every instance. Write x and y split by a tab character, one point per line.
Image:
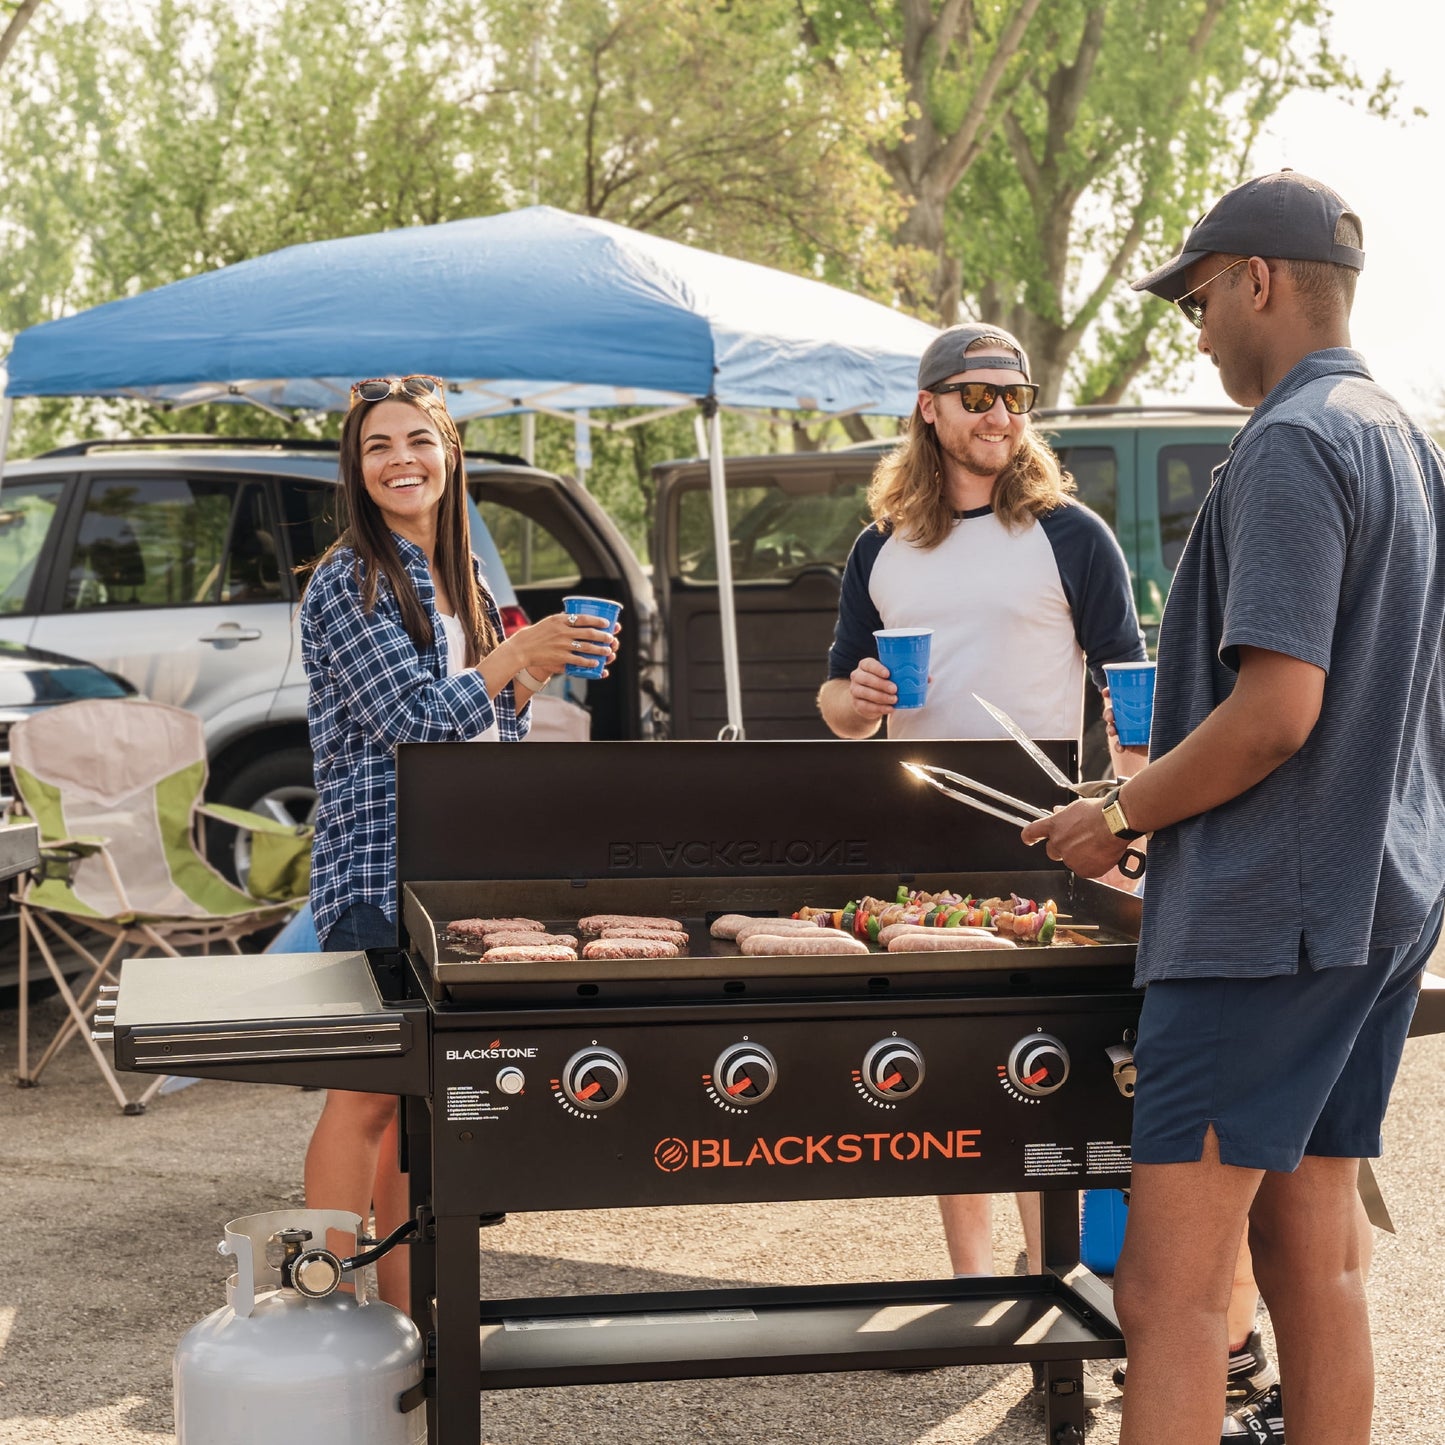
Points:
364	530
907	487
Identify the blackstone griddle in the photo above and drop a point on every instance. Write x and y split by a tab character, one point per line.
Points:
710	1079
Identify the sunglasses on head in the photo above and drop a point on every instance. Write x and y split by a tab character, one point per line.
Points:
378	388
979	396
1192	304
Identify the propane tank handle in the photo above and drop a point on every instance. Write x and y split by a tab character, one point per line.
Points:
246	1241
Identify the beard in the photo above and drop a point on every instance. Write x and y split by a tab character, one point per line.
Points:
980	460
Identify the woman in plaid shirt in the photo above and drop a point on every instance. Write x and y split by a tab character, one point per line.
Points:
402	642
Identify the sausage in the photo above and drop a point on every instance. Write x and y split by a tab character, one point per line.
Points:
896	930
946	940
813	940
657	935
727	926
522	938
480	927
629	948
537	953
777	925
596	922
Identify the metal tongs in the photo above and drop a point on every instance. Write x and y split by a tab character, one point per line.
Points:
963	789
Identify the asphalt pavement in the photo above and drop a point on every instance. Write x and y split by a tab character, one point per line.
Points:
107	1256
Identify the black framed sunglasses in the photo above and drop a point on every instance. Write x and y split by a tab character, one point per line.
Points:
1191	303
979	396
378	388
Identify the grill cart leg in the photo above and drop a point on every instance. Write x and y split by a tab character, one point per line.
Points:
458	1413
1064	1417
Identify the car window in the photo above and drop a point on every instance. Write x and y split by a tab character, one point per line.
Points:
309	519
775	534
1096	473
531	556
26	512
253	566
1184	476
150	542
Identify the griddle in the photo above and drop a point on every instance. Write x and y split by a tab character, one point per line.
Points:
709	1079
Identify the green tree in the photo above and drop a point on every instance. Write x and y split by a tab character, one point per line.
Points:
1133	116
146	144
1050	150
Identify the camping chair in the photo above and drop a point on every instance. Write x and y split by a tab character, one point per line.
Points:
115	787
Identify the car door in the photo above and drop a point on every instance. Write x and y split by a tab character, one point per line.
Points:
172	579
1176	466
31	513
792	520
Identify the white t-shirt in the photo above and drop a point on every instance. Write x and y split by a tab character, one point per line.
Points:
457	664
1017	616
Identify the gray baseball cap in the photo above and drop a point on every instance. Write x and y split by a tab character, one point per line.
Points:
945	354
1283	215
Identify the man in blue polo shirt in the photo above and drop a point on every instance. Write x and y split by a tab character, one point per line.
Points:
1295	796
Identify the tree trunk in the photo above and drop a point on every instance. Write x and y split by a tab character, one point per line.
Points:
18	21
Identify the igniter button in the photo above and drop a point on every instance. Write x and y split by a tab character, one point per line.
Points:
510	1080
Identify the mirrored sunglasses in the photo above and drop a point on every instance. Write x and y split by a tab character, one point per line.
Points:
979	396
378	388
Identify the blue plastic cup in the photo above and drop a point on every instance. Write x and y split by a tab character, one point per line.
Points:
1131	694
602	607
904	652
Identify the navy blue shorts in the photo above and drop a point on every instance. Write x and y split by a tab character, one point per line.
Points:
363	925
1295	1064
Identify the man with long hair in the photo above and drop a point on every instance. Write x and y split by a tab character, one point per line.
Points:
976	534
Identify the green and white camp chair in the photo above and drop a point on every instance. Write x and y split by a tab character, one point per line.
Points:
116	788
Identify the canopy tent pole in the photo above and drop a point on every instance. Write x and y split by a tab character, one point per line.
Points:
722	542
529	437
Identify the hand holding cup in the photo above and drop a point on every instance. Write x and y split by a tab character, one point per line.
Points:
591	617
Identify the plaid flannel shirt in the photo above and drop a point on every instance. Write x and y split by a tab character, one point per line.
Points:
372	688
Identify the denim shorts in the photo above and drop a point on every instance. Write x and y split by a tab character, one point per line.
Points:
363	925
1285	1066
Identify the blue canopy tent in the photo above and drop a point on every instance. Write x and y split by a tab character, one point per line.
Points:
531	310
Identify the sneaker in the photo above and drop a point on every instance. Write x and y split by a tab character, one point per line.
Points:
1251	1377
1261	1422
1251	1374
1092	1398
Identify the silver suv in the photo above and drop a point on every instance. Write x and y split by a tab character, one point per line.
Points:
172	562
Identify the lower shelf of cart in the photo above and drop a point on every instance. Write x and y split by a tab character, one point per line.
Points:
775	1331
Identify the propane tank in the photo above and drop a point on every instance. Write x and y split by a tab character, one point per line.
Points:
290	1361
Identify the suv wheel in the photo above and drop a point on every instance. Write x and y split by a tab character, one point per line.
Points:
278	785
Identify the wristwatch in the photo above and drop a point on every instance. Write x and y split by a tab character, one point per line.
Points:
1115	820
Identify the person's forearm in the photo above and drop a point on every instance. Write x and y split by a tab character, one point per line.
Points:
1249	735
502	665
835	702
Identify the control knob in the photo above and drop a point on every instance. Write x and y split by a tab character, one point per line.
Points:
1038	1065
893	1069
745	1074
594	1078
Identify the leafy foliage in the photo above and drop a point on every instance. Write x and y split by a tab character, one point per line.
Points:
139	151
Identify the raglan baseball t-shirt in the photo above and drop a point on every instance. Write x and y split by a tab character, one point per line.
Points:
1017	614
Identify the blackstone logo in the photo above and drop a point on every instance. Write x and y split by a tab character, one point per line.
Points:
494	1050
673	1155
719	854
